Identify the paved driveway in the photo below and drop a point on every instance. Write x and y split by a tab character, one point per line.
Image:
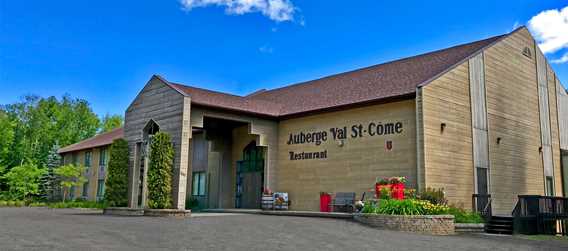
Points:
68	229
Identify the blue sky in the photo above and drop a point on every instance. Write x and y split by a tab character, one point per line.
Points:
105	51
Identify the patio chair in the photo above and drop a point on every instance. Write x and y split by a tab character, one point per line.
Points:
343	202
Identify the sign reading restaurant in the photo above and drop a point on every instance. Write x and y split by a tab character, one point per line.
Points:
339	133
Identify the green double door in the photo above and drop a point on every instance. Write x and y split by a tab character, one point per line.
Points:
250	177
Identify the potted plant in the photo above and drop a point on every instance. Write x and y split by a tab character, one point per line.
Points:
395	185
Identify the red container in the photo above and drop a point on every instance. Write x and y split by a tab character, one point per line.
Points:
396	190
325	199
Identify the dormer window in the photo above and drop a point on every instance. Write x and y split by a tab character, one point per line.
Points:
527	52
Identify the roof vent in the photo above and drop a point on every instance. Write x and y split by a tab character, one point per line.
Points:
527	52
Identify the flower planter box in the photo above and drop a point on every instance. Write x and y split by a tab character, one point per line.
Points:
396	190
424	224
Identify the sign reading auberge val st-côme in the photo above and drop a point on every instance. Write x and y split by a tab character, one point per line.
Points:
371	129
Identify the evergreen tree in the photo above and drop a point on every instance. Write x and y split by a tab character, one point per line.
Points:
48	182
160	171
116	194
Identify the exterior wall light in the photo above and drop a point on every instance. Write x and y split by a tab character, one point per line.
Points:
498	140
442	127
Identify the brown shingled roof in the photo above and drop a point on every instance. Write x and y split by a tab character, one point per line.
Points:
99	140
397	78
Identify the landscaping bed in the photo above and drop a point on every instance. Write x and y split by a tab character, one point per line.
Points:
428	212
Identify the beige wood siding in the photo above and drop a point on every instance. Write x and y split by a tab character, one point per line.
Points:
448	154
513	116
353	164
169	109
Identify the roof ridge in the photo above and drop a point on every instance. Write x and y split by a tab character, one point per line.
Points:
94	137
204	89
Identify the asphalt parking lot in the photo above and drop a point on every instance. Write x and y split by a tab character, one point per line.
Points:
73	229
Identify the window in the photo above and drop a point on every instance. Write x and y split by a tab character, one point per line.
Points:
100	189
527	52
103	157
86	189
74	159
198	188
87	160
102	162
549	186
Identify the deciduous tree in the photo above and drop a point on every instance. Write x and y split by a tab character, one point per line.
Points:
70	176
23	181
110	122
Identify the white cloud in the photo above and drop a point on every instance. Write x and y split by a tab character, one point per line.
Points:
277	10
515	26
561	60
266	49
550	28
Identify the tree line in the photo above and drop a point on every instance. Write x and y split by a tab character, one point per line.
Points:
33	129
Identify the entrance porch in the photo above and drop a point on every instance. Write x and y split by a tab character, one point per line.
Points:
227	166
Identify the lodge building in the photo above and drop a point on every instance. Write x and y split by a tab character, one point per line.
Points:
487	117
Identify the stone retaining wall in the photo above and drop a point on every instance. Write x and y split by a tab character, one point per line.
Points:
124	211
427	224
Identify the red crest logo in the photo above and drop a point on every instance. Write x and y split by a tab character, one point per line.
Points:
388	145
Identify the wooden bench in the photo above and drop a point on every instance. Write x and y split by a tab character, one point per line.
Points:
344	201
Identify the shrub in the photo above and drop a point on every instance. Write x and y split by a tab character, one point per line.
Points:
78	204
116	194
462	216
38	204
23	181
3	203
405	207
160	172
410	193
385	194
399	207
435	196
